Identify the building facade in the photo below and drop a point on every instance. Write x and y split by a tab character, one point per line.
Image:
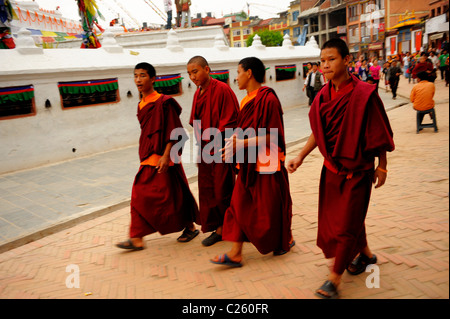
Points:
437	27
381	28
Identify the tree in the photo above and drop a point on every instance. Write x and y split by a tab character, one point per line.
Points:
242	14
268	38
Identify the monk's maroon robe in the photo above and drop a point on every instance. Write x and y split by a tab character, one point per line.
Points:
261	205
216	108
160	202
350	131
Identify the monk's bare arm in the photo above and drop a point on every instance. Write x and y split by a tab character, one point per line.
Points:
380	174
164	161
233	144
308	148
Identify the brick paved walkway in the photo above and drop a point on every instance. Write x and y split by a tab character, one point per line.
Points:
407	228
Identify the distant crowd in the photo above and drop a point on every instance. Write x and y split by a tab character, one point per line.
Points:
374	70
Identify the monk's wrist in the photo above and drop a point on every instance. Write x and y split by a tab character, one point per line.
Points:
382	169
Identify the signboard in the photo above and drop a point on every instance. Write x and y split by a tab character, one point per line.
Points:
393	45
375	46
341	29
418	40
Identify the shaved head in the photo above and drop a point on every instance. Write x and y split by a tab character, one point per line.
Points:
199	60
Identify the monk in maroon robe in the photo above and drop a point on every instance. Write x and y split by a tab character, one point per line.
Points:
350	127
261	208
214	109
161	200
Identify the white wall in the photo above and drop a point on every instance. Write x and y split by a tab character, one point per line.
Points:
51	134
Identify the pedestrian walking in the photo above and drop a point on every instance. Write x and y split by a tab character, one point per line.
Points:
394	78
161	200
414	61
168	9
186	13
261	205
215	107
385	75
306	69
344	106
434	60
313	83
406	62
442	64
374	72
408	70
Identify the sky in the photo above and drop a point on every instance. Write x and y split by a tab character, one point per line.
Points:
141	12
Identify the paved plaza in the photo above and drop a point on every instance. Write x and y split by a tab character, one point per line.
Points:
63	218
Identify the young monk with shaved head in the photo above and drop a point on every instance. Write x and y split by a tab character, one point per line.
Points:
350	127
214	109
261	207
161	200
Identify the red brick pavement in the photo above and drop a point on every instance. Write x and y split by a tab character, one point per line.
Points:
407	228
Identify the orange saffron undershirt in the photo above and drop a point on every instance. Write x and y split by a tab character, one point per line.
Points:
154	158
275	155
149	99
248	98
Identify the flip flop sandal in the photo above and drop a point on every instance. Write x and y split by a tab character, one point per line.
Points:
187	235
212	239
360	263
226	261
330	289
282	252
128	244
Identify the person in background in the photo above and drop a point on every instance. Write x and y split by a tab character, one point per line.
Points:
186	13
434	60
412	65
422	65
406	62
178	18
363	71
168	9
374	72
352	69
422	94
313	83
307	69
408	70
442	64
359	63
394	78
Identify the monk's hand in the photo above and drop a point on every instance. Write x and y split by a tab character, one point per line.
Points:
293	164
229	150
379	178
163	164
